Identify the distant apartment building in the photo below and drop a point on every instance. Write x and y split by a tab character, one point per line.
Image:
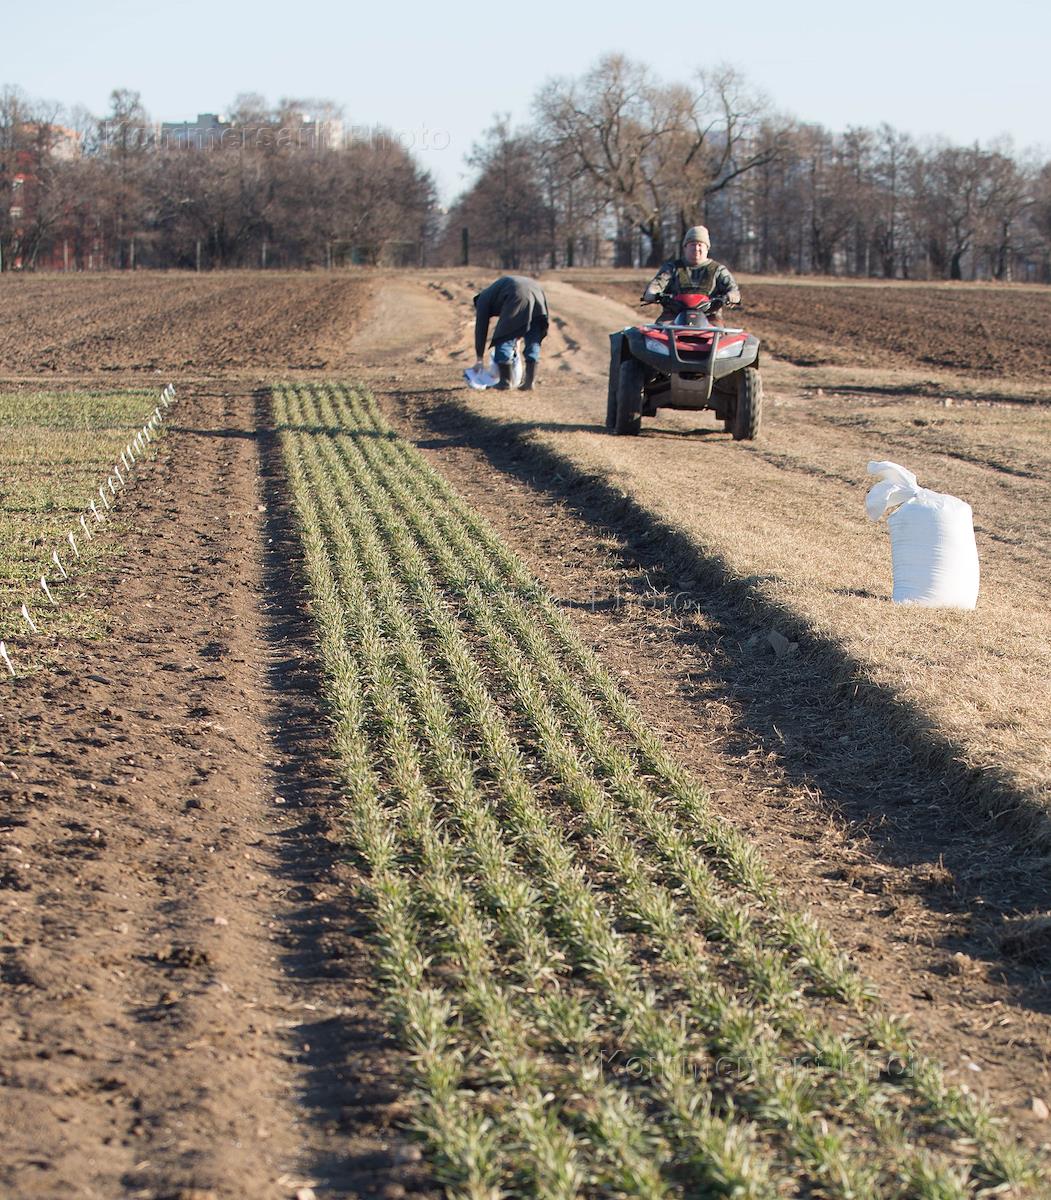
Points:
212	132
203	134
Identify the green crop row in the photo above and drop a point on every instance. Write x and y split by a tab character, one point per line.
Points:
600	987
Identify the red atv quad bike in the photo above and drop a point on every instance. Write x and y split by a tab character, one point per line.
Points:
688	363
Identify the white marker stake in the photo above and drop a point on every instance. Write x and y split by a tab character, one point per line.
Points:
47	591
7	658
95	513
29	619
72	542
116	471
102	496
127	451
84	526
58	562
112	489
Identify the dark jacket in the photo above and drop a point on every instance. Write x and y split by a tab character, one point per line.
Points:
520	305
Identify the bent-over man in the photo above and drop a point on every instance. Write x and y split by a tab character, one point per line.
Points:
520	306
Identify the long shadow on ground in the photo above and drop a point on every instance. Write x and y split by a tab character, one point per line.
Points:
354	1073
878	761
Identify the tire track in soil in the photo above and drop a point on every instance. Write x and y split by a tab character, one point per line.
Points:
186	1002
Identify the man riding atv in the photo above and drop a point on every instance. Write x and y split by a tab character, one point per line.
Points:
686	360
693	272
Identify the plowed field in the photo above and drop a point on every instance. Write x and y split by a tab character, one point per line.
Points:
190	995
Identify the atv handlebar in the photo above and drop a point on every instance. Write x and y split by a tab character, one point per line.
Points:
670	300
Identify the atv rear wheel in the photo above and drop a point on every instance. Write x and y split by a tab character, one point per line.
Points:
631	385
748	413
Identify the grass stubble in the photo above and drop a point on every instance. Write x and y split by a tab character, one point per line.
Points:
601	988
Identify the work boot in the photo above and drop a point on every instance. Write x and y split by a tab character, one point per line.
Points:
505	378
530	374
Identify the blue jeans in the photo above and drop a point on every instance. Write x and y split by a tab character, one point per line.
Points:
504	352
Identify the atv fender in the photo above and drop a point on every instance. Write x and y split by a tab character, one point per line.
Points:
616	356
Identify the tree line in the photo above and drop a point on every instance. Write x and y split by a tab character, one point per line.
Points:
612	167
279	186
615	165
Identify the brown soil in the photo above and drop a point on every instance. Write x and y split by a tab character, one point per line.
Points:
187	1005
174	325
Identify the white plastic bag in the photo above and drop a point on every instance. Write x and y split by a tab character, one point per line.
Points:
479	379
933	552
490	373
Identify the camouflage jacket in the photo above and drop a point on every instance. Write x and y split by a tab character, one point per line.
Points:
710	277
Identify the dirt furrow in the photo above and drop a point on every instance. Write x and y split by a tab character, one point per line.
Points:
188	1008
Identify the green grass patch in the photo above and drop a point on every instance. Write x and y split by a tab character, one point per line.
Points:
56	449
601	988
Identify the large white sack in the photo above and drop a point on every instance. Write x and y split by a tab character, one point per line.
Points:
933	552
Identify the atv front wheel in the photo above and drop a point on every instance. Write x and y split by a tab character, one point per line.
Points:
631	385
749	411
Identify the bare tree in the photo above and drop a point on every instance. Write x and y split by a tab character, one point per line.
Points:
1039	215
606	126
892	162
656	153
24	153
1007	195
952	191
507	217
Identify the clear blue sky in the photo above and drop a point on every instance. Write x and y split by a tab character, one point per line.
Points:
437	73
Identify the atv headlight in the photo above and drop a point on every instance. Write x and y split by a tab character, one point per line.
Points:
733	350
656	347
